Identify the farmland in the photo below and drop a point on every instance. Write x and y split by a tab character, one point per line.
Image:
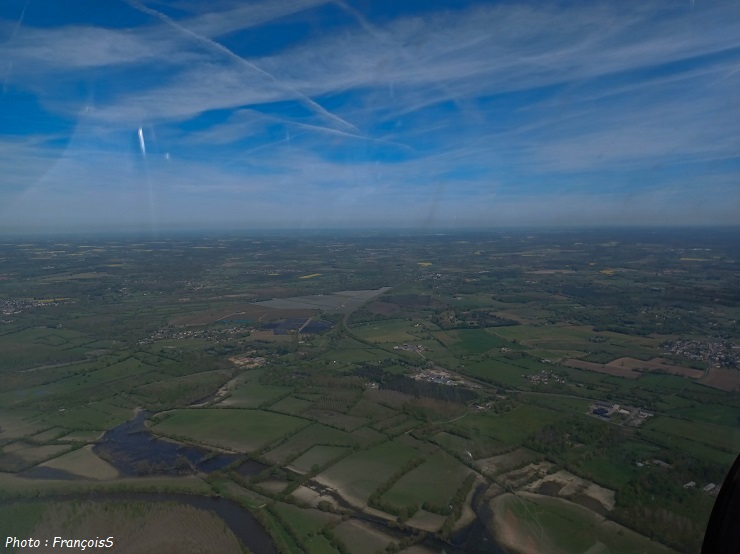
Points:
240	430
366	390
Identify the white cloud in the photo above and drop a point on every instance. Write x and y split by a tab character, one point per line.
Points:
424	88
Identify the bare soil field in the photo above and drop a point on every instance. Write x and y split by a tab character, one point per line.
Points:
529	473
85	463
426	521
505	462
632	368
309	496
722	378
35	454
341	491
468	515
82	436
573	488
251	312
275	486
602	368
343	300
656	364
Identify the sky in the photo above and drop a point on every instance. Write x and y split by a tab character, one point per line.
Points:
164	115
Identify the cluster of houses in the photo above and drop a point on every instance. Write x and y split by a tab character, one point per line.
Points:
12	306
545	377
630	415
716	353
709	487
181	333
439	376
418	348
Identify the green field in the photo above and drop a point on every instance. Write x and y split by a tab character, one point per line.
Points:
360	538
183	390
561	527
389	332
319	544
358	475
512	427
704	433
301	521
291	405
355	355
441	469
371	410
253	394
93	416
339	409
498	371
470	341
234	429
36	347
314	434
717	414
317	456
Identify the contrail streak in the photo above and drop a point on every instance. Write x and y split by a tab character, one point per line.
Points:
233	55
397	48
9	65
331	131
20	20
142	144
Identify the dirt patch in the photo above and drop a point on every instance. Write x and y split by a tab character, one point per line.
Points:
521	477
570	487
354	501
602	368
426	521
505	462
632	368
309	496
85	463
511	533
273	485
468	514
722	378
549	488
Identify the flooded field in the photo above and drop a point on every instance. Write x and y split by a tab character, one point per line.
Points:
134	450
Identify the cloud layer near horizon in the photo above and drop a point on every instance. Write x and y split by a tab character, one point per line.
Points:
309	113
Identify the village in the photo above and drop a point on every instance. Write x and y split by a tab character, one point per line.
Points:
714	353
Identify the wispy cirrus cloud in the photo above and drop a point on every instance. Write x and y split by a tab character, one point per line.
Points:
488	108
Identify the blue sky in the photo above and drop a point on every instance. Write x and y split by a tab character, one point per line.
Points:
184	114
